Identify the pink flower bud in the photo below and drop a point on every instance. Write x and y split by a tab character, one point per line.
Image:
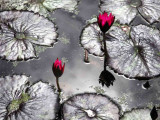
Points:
105	21
58	69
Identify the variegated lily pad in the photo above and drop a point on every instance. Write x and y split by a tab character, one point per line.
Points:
90	106
19	31
126	10
40	6
137	114
91	39
136	55
20	101
13	4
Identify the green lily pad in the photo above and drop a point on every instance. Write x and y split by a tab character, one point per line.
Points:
90	106
20	30
126	10
133	53
21	101
43	7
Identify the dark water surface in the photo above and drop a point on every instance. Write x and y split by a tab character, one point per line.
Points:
78	76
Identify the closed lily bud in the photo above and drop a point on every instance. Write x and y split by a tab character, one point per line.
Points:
105	21
58	69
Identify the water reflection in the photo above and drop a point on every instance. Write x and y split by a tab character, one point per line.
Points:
106	78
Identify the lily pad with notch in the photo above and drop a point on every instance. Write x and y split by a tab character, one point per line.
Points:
21	101
126	10
90	106
20	31
134	53
91	39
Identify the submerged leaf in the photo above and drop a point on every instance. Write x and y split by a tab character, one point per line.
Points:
19	101
126	10
19	30
90	106
135	55
137	114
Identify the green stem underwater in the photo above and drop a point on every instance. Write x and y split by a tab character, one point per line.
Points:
57	82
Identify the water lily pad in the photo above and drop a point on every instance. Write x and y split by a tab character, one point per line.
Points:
20	101
20	30
137	114
120	9
126	10
89	106
43	7
91	39
150	10
136	55
13	4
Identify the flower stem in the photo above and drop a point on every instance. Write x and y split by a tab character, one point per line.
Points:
106	56
86	59
57	81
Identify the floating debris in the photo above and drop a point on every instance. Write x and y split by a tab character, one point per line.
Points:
89	106
64	60
92	20
64	39
20	31
123	100
135	55
137	114
20	101
126	10
98	89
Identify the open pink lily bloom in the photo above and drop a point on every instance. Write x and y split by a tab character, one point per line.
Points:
105	21
58	69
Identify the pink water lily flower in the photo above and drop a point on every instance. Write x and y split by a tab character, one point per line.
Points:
58	69
105	21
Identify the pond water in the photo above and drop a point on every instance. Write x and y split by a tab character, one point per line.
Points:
81	77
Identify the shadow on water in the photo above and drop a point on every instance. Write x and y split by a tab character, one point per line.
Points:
106	78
